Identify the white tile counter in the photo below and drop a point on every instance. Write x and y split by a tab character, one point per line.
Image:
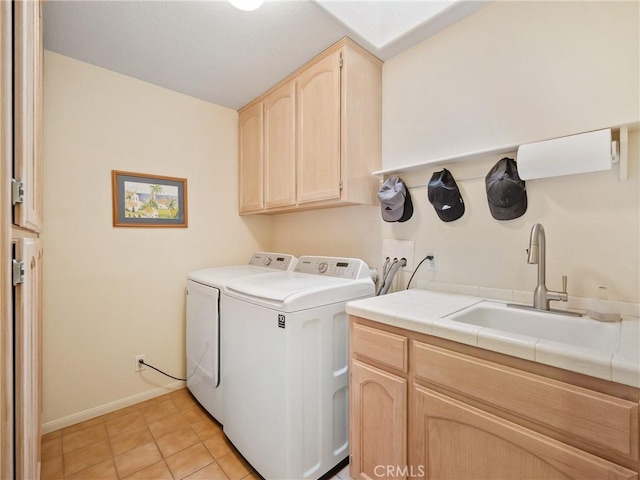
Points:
425	311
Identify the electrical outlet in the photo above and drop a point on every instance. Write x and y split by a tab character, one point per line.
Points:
392	248
431	264
138	366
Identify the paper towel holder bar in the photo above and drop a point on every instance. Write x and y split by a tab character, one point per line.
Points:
622	155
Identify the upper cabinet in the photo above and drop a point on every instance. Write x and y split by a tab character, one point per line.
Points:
250	160
320	136
280	147
318	130
28	59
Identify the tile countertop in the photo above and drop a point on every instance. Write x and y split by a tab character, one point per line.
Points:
425	311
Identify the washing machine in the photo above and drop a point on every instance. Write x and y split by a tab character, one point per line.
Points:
286	374
205	326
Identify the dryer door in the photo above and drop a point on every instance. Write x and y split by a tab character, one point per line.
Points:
203	344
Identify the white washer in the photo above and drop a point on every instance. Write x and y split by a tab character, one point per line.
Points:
286	375
204	323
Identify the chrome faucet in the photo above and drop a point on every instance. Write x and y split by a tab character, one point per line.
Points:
537	254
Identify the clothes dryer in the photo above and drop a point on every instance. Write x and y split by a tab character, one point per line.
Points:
286	372
205	327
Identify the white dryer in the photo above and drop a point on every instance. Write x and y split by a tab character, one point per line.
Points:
286	375
204	325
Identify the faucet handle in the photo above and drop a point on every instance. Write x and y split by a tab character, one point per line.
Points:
564	284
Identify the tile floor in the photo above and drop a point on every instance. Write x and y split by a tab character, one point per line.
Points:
168	437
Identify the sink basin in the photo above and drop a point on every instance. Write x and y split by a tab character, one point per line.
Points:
579	331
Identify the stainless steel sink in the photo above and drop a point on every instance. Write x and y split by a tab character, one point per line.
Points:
579	331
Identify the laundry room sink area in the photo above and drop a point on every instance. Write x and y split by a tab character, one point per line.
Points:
578	331
606	350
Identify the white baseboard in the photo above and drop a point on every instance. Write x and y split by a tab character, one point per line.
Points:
64	422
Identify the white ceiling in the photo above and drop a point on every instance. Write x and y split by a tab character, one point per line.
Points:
213	51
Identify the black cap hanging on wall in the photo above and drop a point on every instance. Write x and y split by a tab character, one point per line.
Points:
445	196
506	192
395	200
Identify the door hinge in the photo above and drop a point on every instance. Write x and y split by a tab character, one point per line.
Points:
17	191
341	61
17	275
340	184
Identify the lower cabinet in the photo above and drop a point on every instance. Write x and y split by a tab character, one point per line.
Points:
379	424
453	440
424	407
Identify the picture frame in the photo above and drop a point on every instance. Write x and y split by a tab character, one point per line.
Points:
148	200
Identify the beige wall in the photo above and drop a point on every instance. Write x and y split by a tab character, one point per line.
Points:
111	293
513	71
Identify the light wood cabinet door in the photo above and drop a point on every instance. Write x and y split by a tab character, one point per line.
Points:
28	360
250	155
318	132
453	440
279	147
378	419
28	75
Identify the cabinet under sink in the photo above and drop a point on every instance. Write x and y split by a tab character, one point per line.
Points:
426	407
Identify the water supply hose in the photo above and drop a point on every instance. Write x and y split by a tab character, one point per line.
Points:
388	278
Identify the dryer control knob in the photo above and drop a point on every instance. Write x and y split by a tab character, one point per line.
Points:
322	267
267	261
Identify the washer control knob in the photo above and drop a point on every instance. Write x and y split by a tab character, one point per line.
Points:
267	261
322	267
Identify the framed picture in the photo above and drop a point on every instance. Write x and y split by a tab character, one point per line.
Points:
145	200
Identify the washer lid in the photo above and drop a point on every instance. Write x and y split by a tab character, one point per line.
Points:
293	291
219	276
260	263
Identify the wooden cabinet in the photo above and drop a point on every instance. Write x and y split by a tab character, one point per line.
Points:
279	147
476	414
250	163
452	440
378	421
378	403
28	359
27	111
21	56
319	130
321	136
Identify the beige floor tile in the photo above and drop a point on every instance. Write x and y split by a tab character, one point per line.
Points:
210	472
82	425
182	399
158	411
130	439
234	466
52	469
255	476
157	471
218	446
124	423
206	428
177	441
167	425
195	414
52	435
51	449
189	461
86	457
137	459
82	438
102	471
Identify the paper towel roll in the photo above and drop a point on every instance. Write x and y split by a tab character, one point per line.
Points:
586	152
